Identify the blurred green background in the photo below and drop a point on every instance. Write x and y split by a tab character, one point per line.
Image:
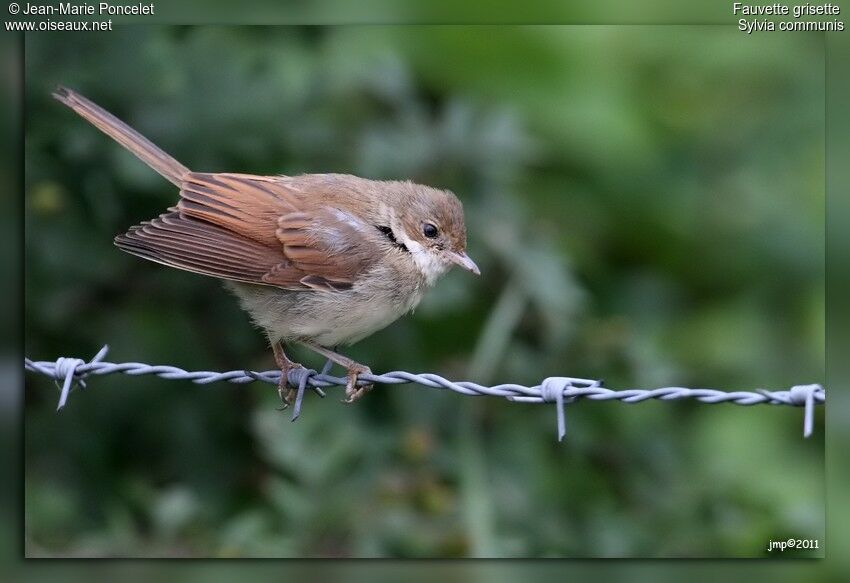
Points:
646	205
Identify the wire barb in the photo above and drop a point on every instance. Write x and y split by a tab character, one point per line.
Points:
70	371
298	377
557	390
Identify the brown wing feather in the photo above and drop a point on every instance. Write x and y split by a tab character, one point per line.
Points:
326	248
245	204
256	229
190	244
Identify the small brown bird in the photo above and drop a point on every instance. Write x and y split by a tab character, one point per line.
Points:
319	259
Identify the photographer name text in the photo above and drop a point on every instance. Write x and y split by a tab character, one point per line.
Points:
99	9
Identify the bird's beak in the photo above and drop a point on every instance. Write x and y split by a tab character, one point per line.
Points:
464	261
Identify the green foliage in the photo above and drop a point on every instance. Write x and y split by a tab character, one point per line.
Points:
646	206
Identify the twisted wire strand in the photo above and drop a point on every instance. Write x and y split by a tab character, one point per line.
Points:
558	390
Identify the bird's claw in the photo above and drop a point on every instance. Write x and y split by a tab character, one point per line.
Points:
352	391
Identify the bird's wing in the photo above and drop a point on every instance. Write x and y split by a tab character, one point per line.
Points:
257	229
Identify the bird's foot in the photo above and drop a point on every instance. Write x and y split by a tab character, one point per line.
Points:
352	391
286	392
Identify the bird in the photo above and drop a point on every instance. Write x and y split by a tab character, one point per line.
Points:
321	260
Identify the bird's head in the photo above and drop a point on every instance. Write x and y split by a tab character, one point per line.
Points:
429	223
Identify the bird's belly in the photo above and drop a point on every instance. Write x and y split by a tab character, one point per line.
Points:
345	322
326	318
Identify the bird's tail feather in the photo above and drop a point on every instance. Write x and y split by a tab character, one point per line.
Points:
119	131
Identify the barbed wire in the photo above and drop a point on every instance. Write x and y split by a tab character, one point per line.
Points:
72	372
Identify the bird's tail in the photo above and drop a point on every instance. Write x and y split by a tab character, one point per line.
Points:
116	129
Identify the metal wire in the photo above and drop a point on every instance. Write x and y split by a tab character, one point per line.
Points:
558	390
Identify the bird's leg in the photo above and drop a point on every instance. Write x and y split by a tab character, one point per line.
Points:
285	365
352	391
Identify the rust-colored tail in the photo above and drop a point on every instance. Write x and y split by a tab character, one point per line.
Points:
116	129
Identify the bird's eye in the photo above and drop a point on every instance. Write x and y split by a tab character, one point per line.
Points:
429	230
